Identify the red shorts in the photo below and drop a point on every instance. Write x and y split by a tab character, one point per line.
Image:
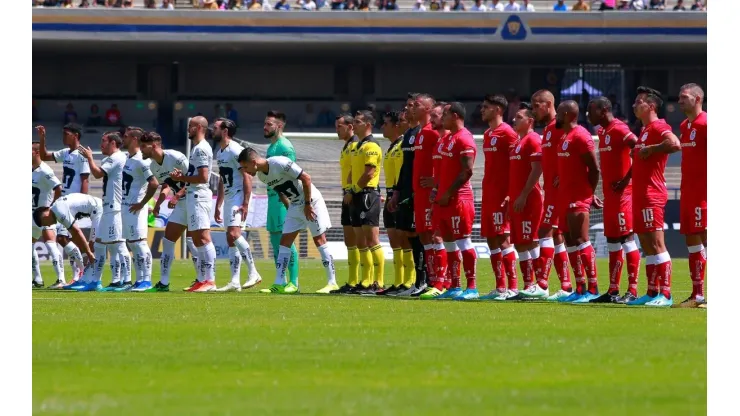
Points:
617	214
494	220
525	224
573	207
647	217
456	220
693	214
550	214
423	214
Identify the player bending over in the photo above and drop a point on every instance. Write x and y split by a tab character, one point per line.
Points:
45	189
305	209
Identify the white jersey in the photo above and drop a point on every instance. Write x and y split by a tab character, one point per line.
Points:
201	156
229	169
136	174
282	176
172	160
73	165
72	207
43	184
112	167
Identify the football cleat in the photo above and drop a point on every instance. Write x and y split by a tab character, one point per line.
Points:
606	298
142	286
660	301
586	298
92	287
253	280
37	285
419	290
560	294
159	287
346	289
327	289
193	283
59	284
74	285
689	303
468	294
535	292
431	293
450	294
642	300
494	294
571	298
403	291
387	291
207	286
371	290
125	287
286	289
231	287
628	297
112	287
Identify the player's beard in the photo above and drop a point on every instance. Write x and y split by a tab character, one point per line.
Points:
269	135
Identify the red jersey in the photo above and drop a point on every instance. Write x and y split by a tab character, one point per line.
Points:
496	146
648	180
573	172
456	146
615	143
694	156
521	156
437	156
551	139
424	146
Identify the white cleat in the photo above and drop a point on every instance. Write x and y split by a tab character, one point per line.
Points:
560	294
254	280
535	292
231	287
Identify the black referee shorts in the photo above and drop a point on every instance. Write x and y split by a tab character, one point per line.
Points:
366	208
346	215
389	218
405	216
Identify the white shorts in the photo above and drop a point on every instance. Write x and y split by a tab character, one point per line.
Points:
62	231
110	228
179	215
295	219
135	226
36	231
198	205
231	214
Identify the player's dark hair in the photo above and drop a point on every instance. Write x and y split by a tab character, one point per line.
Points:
602	103
247	155
458	108
366	116
695	88
497	100
411	96
227	125
426	96
114	136
393	116
346	118
527	107
73	128
651	95
151	137
37	213
277	114
442	104
135	132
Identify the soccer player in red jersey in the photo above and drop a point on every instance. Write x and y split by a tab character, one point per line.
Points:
552	244
498	140
525	199
694	188
650	195
454	194
578	176
615	144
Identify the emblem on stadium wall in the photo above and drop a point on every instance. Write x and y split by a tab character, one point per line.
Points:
513	29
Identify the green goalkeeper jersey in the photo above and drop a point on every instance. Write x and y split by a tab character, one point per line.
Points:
281	147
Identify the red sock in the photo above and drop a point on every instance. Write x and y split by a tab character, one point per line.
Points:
663	272
574	255
588	259
543	264
510	269
429	258
633	270
616	261
697	265
562	269
469	259
454	259
440	267
526	267
650	271
497	263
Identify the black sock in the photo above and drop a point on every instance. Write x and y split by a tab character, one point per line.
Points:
419	261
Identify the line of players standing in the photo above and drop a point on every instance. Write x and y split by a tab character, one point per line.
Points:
429	207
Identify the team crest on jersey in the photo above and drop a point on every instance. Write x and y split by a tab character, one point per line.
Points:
518	148
607	139
411	140
565	145
644	137
449	146
692	136
493	141
439	148
549	134
421	139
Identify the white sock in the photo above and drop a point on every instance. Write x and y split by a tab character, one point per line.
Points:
535	253
57	261
135	259
629	246
116	262
235	261
548	242
165	264
243	246
328	262
614	247
584	245
75	259
207	262
125	259
36	267
94	274
559	248
282	264
194	254
146	258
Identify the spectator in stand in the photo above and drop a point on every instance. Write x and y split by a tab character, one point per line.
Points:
657	5
458	6
698	6
512	6
67	4
255	6
559	7
496	6
623	5
419	6
679	6
84	4
309	117
308	5
167	5
336	5
351	5
527	6
113	116
637	5
94	119
445	6
232	114
581	6
208	4
282	5
478	6
434	5
70	115
364	6
608	5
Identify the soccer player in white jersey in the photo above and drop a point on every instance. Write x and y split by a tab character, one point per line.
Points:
110	233
198	203
235	192
139	186
306	209
45	189
75	179
66	211
163	162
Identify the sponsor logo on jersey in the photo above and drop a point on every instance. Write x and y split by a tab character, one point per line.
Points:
606	149
517	157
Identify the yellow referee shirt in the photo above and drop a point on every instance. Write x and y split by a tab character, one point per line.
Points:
392	165
345	161
367	153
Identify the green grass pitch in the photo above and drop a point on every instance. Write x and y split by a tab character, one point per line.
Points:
253	354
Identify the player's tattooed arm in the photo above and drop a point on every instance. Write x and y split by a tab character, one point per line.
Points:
466	173
670	144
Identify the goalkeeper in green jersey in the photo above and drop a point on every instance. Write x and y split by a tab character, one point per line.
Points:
276	211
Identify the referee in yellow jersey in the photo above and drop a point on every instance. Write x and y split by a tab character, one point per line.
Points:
365	200
346	133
